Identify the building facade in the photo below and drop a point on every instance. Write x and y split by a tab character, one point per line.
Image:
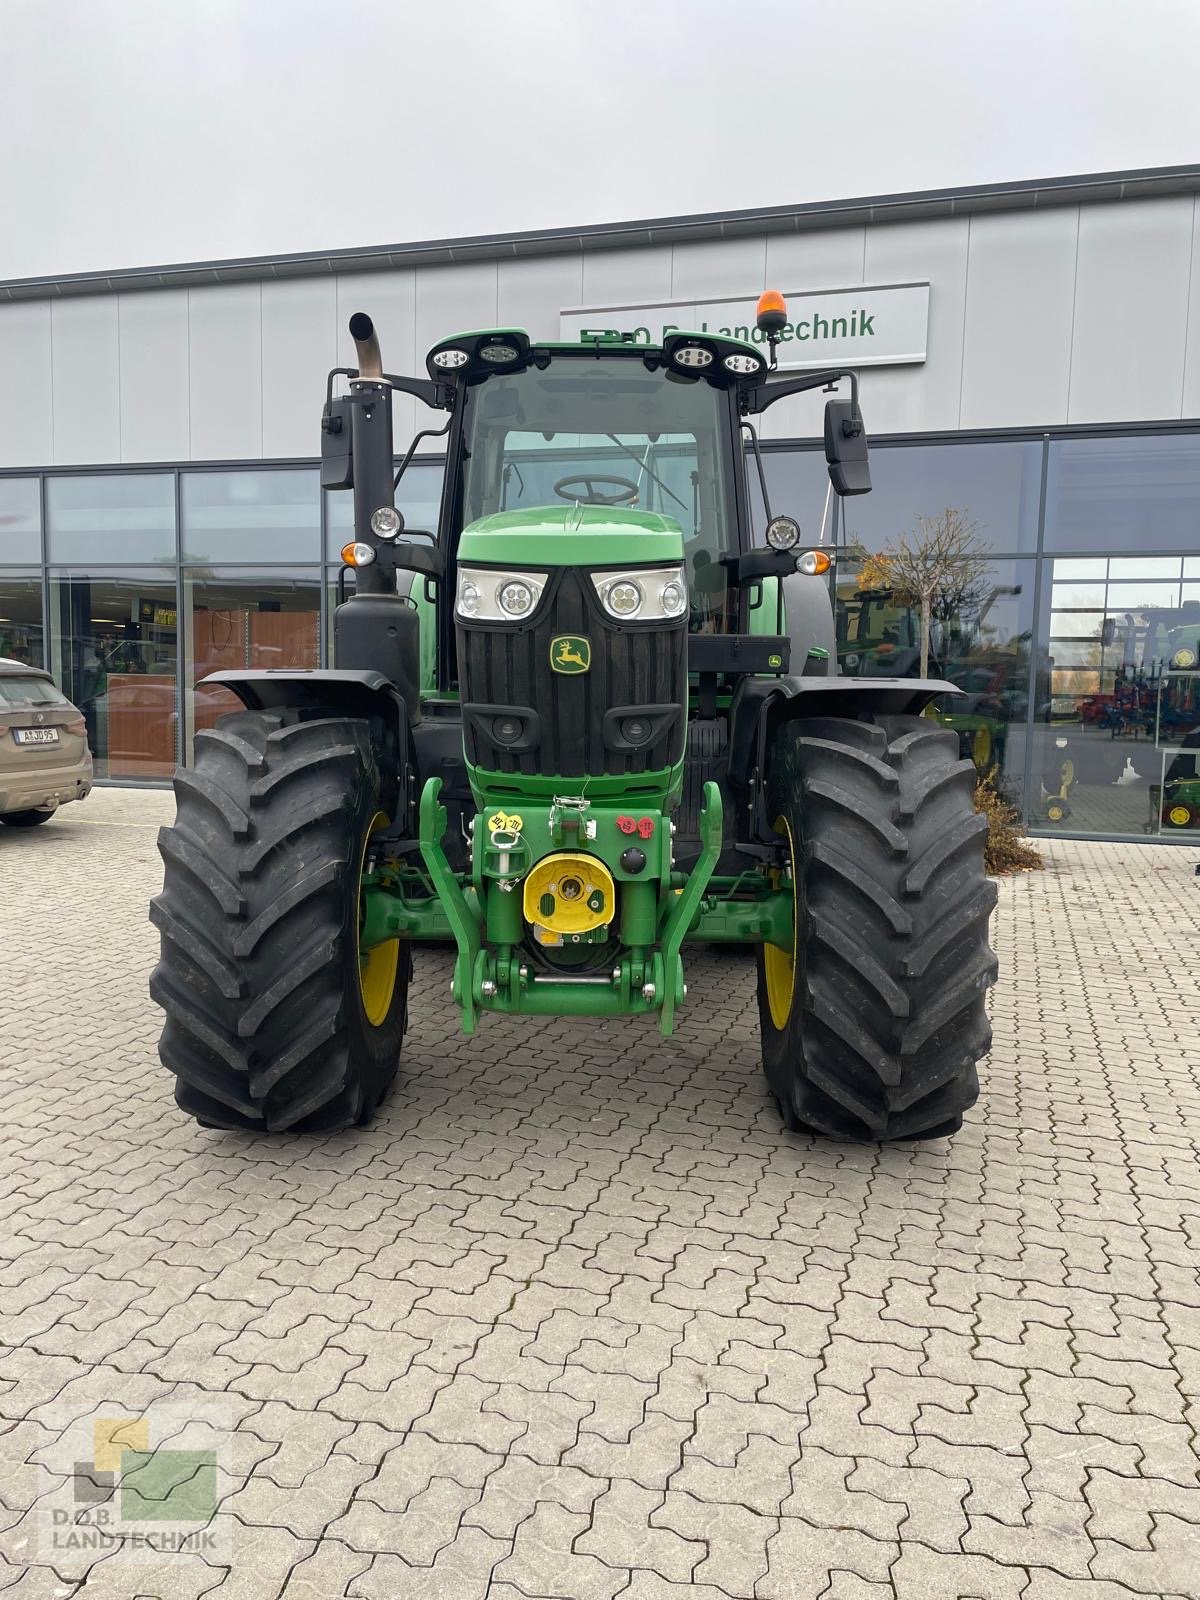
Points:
1029	361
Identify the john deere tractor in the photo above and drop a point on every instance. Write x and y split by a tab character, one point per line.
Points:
593	717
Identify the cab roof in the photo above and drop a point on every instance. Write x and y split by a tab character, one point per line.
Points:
467	353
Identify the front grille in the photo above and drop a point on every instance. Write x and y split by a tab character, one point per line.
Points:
563	719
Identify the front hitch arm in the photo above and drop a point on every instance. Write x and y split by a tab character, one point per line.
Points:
465	927
687	903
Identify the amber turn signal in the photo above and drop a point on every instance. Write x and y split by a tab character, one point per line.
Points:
813	563
357	554
771	314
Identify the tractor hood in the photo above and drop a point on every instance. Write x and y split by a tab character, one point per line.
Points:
572	536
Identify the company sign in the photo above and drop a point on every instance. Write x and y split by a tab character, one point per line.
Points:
876	325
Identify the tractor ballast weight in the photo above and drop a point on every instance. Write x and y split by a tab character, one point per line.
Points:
586	720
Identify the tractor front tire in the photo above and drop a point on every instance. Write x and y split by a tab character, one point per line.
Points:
275	1019
873	1022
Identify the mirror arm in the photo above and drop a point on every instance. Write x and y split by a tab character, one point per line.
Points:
425	433
439	396
757	398
748	427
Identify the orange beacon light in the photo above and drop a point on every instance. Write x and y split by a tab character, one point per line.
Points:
771	315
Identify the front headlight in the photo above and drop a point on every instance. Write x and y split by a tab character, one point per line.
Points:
486	596
646	594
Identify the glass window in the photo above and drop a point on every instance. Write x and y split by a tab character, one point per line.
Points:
246	617
980	638
111	518
1140	492
1163	568
1115	710
20	520
798	484
113	645
418	496
21	618
251	516
19	691
996	486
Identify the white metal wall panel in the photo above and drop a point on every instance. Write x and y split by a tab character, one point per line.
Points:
821	259
153	368
389	299
919	398
1037	318
1131	293
1020	302
532	293
225	372
454	300
1191	360
26	427
87	391
299	345
720	267
626	277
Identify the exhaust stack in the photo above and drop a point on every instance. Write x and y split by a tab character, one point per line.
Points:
366	343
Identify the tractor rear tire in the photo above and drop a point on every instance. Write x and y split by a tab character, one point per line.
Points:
275	1020
873	1023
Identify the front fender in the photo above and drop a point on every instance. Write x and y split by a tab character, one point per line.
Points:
761	704
346	692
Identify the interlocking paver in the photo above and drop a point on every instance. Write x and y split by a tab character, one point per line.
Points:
576	1317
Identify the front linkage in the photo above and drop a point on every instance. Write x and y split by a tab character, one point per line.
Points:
573	878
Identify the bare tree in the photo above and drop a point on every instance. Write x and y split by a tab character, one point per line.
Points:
938	569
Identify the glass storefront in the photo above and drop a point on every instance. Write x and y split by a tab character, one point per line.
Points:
22	637
1073	628
114	651
981	641
267	617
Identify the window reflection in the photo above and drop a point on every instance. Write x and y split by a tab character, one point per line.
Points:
998	484
418	496
21	618
20	520
798	484
114	647
242	617
111	517
980	640
250	516
1123	494
1115	753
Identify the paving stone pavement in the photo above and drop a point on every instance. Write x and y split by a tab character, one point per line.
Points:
577	1319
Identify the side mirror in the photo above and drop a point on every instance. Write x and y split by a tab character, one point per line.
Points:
846	448
1108	632
337	454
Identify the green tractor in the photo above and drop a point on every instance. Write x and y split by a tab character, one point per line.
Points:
587	720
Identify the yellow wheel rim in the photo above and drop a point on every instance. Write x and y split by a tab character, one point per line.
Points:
378	966
779	966
1055	813
1180	816
981	749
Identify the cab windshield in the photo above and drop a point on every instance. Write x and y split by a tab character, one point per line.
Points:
602	430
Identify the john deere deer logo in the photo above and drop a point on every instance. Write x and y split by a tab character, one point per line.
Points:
570	653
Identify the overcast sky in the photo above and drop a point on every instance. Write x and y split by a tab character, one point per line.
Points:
140	132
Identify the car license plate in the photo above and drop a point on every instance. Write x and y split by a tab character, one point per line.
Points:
36	735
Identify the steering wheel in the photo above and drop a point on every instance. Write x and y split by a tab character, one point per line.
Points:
627	490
